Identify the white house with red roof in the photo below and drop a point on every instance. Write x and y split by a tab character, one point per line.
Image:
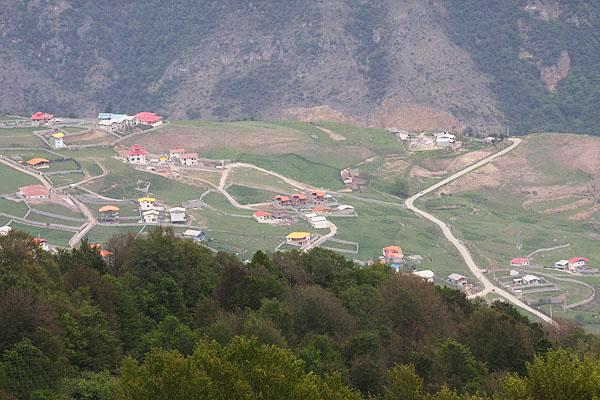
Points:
148	118
519	262
189	159
136	155
40	118
262	217
34	192
176	154
578	262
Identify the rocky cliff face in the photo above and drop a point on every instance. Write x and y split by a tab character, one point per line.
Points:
379	63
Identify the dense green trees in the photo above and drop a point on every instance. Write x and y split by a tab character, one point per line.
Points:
499	33
172	320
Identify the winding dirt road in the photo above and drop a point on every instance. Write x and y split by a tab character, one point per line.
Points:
488	286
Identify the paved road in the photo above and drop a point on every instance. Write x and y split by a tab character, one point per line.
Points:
488	286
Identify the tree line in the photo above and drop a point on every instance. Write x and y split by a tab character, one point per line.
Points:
165	318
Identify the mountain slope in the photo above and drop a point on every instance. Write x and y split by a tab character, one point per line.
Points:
480	66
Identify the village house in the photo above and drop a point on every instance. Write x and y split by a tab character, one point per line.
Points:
114	122
34	192
177	214
189	159
344	209
317	221
39	163
148	118
319	196
43	243
445	139
561	264
108	213
322	210
106	256
517	281
57	140
519	262
5	230
280	215
299	199
346	176
458	279
426	275
577	262
531	280
195	235
136	154
147	203
298	238
281	200
393	255
262	217
41	118
175	154
150	216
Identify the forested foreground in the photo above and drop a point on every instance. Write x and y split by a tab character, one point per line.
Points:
168	319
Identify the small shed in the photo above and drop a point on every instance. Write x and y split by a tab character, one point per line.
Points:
194	235
531	280
426	274
177	214
457	279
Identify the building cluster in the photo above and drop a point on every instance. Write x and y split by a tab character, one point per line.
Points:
151	212
574	264
110	122
138	155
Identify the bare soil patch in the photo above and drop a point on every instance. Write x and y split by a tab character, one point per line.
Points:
319	113
87	137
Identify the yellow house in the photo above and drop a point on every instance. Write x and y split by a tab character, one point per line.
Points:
298	238
146	203
57	140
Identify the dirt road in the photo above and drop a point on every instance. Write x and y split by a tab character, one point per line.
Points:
488	286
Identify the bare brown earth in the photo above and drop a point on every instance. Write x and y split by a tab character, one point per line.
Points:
317	114
88	137
536	169
414	118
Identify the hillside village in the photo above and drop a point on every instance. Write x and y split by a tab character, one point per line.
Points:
302	216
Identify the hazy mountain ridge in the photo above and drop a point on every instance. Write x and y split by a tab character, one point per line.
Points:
373	61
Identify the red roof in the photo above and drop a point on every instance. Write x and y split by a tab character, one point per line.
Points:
39	240
259	214
41	116
34	191
281	198
146	117
136	150
299	196
578	259
189	155
519	260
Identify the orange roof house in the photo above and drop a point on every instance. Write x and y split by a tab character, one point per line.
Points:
108	209
281	199
392	252
322	210
37	161
318	194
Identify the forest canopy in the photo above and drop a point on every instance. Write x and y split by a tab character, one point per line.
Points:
165	318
